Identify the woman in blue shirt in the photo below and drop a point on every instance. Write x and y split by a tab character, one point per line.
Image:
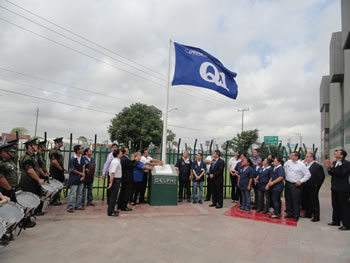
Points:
138	177
276	186
263	179
245	177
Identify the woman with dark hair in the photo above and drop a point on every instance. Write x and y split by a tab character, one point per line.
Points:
234	161
276	186
245	175
262	180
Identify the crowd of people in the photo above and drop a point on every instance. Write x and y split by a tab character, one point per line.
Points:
257	183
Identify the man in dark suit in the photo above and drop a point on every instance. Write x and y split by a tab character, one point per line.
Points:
127	180
312	188
340	171
216	173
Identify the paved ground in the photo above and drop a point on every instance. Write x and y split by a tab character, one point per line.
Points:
186	233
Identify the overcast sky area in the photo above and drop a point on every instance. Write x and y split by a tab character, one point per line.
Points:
279	49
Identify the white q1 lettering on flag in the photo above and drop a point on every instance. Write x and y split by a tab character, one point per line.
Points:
218	77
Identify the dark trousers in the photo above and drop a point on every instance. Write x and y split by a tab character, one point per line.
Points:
255	189
144	187
108	179
187	186
137	191
276	202
218	191
209	188
235	192
312	201
341	208
293	199
87	191
113	194
263	200
125	194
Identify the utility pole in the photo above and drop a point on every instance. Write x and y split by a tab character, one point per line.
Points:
243	110
36	121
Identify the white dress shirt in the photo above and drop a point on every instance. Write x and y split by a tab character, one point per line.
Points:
116	168
233	162
296	171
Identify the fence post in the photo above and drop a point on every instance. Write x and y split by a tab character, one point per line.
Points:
178	150
211	144
95	147
194	148
70	148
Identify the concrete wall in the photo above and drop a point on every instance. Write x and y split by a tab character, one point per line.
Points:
336	58
345	20
346	86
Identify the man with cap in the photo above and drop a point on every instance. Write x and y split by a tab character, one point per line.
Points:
14	158
8	173
30	180
41	160
56	166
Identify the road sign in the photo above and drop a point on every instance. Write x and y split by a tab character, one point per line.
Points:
271	140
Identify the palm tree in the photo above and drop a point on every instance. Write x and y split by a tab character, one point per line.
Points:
82	139
20	130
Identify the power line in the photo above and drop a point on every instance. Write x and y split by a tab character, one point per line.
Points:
84	38
62	84
78	42
81	107
197	92
78	51
55	101
30	86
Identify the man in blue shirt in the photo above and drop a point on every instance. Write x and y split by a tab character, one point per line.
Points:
197	173
90	173
76	179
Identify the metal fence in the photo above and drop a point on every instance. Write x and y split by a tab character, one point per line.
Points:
101	151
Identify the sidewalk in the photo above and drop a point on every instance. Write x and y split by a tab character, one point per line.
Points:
184	233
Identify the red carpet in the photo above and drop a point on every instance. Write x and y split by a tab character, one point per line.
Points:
252	215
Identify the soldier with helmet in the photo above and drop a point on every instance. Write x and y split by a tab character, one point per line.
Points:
56	166
8	172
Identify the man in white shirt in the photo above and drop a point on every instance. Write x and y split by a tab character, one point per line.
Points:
148	161
296	174
209	180
115	175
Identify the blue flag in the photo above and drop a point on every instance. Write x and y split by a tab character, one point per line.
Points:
196	67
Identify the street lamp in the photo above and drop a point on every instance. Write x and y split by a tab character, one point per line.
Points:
243	110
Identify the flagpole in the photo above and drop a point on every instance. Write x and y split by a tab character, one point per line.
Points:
165	112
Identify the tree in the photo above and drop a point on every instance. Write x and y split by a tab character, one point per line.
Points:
171	136
243	141
82	139
136	121
21	131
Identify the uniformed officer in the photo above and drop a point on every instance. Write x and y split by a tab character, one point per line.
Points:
30	180
56	166
8	173
41	160
14	158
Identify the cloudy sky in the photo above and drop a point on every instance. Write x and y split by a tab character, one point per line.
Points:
279	49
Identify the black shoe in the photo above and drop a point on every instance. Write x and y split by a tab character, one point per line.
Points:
343	228
189	200
289	216
126	209
265	212
333	224
114	214
41	213
180	200
258	211
144	202
57	203
207	200
307	216
212	205
195	202
315	219
29	224
200	202
296	218
218	206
